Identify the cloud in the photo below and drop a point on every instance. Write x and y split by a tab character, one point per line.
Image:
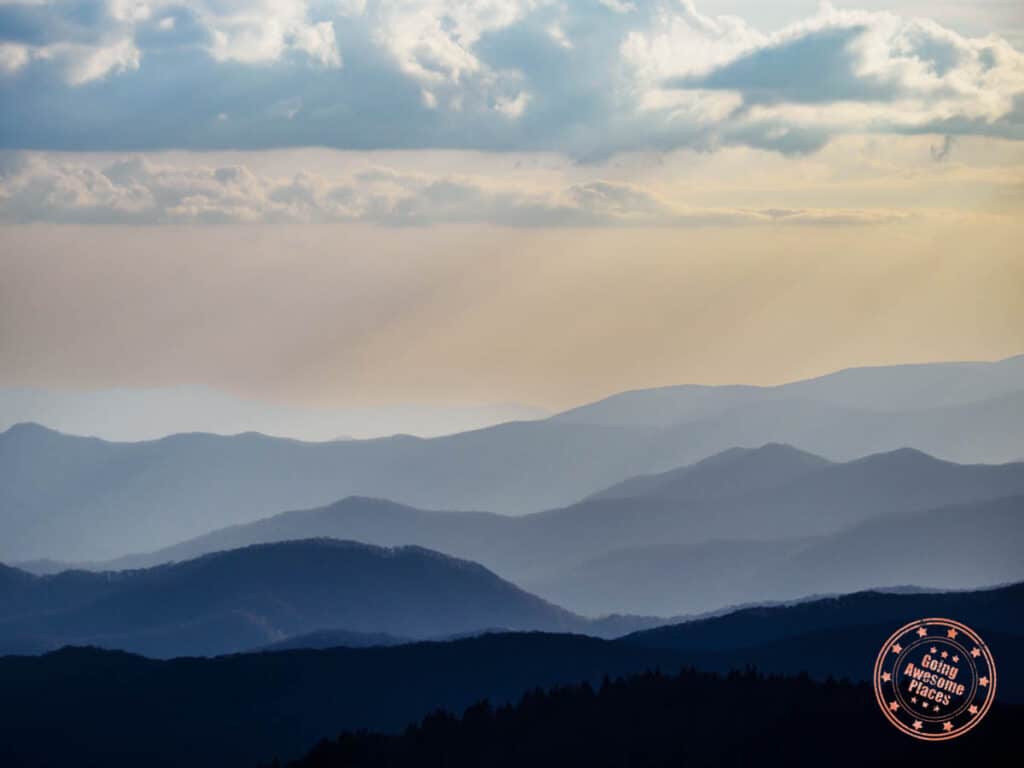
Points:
135	190
851	71
12	57
255	32
585	79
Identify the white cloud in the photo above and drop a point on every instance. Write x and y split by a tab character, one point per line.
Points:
13	57
586	79
433	42
318	41
79	63
681	41
129	10
137	190
839	71
265	30
255	32
513	107
85	64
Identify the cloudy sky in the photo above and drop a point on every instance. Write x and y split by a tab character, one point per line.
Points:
444	213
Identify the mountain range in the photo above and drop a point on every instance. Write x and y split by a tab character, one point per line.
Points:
771	523
73	704
76	498
913	387
964	546
246	598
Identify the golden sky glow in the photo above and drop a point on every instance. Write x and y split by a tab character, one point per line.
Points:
357	314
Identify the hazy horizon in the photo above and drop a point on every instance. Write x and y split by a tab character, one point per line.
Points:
134	414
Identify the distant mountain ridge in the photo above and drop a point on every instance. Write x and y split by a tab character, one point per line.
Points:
918	386
69	498
148	413
965	546
245	598
827	494
717	533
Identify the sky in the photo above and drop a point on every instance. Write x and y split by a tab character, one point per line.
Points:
358	218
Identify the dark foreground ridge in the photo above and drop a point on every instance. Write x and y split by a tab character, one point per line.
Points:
89	707
682	720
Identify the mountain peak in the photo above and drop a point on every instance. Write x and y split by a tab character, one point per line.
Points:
767	452
905	456
329	546
736	470
28	428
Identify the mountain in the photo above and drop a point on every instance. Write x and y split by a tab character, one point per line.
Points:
73	498
717	533
245	598
779	491
81	706
732	472
964	546
676	579
71	706
985	431
961	546
834	636
658	719
134	413
876	388
375	521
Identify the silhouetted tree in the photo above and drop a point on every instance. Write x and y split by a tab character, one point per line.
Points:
654	719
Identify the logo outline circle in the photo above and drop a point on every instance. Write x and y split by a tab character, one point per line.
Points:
920	732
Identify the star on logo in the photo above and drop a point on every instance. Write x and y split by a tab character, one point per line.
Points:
951	633
934	650
956	659
945	654
972	709
893	706
921	631
983	682
917	725
947	726
914	700
886	677
975	652
896	647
